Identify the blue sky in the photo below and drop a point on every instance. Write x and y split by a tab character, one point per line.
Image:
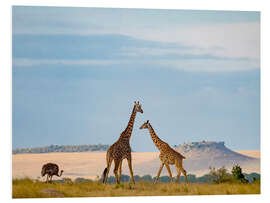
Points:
77	72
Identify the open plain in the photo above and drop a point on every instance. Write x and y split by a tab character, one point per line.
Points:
90	164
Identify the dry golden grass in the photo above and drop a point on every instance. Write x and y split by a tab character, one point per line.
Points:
27	188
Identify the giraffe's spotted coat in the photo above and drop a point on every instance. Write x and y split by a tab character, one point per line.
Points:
167	154
121	149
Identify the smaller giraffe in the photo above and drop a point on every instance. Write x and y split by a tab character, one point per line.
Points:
167	155
50	169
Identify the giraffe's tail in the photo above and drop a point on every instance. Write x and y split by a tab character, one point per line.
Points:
104	174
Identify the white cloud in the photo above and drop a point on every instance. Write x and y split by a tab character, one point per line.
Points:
201	65
20	62
234	39
209	65
189	60
236	46
227	40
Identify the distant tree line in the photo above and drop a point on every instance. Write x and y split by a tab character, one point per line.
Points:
215	176
62	148
207	178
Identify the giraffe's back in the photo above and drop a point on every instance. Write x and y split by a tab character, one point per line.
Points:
120	150
169	155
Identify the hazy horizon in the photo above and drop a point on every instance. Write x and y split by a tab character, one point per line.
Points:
112	143
77	72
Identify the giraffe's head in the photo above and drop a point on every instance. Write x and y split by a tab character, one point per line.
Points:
138	107
145	125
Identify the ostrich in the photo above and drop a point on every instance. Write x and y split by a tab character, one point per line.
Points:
50	169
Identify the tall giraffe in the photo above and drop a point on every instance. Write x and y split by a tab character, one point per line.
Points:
121	149
167	155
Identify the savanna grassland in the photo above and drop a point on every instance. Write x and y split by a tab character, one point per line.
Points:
28	188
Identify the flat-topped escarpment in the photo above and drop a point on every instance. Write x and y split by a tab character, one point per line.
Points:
210	150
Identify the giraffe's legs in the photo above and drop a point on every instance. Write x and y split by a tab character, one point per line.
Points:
178	174
120	169
185	173
116	166
159	171
108	170
130	169
169	171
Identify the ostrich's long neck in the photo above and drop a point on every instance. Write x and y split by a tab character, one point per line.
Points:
128	131
60	174
157	141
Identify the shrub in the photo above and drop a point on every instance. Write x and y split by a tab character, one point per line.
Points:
219	175
111	179
238	175
137	178
164	179
256	180
124	178
147	178
81	180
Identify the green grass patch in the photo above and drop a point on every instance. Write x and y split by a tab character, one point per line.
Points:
28	188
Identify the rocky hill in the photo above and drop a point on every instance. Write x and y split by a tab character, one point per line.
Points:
216	151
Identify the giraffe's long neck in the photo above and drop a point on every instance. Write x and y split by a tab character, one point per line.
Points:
157	141
128	131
